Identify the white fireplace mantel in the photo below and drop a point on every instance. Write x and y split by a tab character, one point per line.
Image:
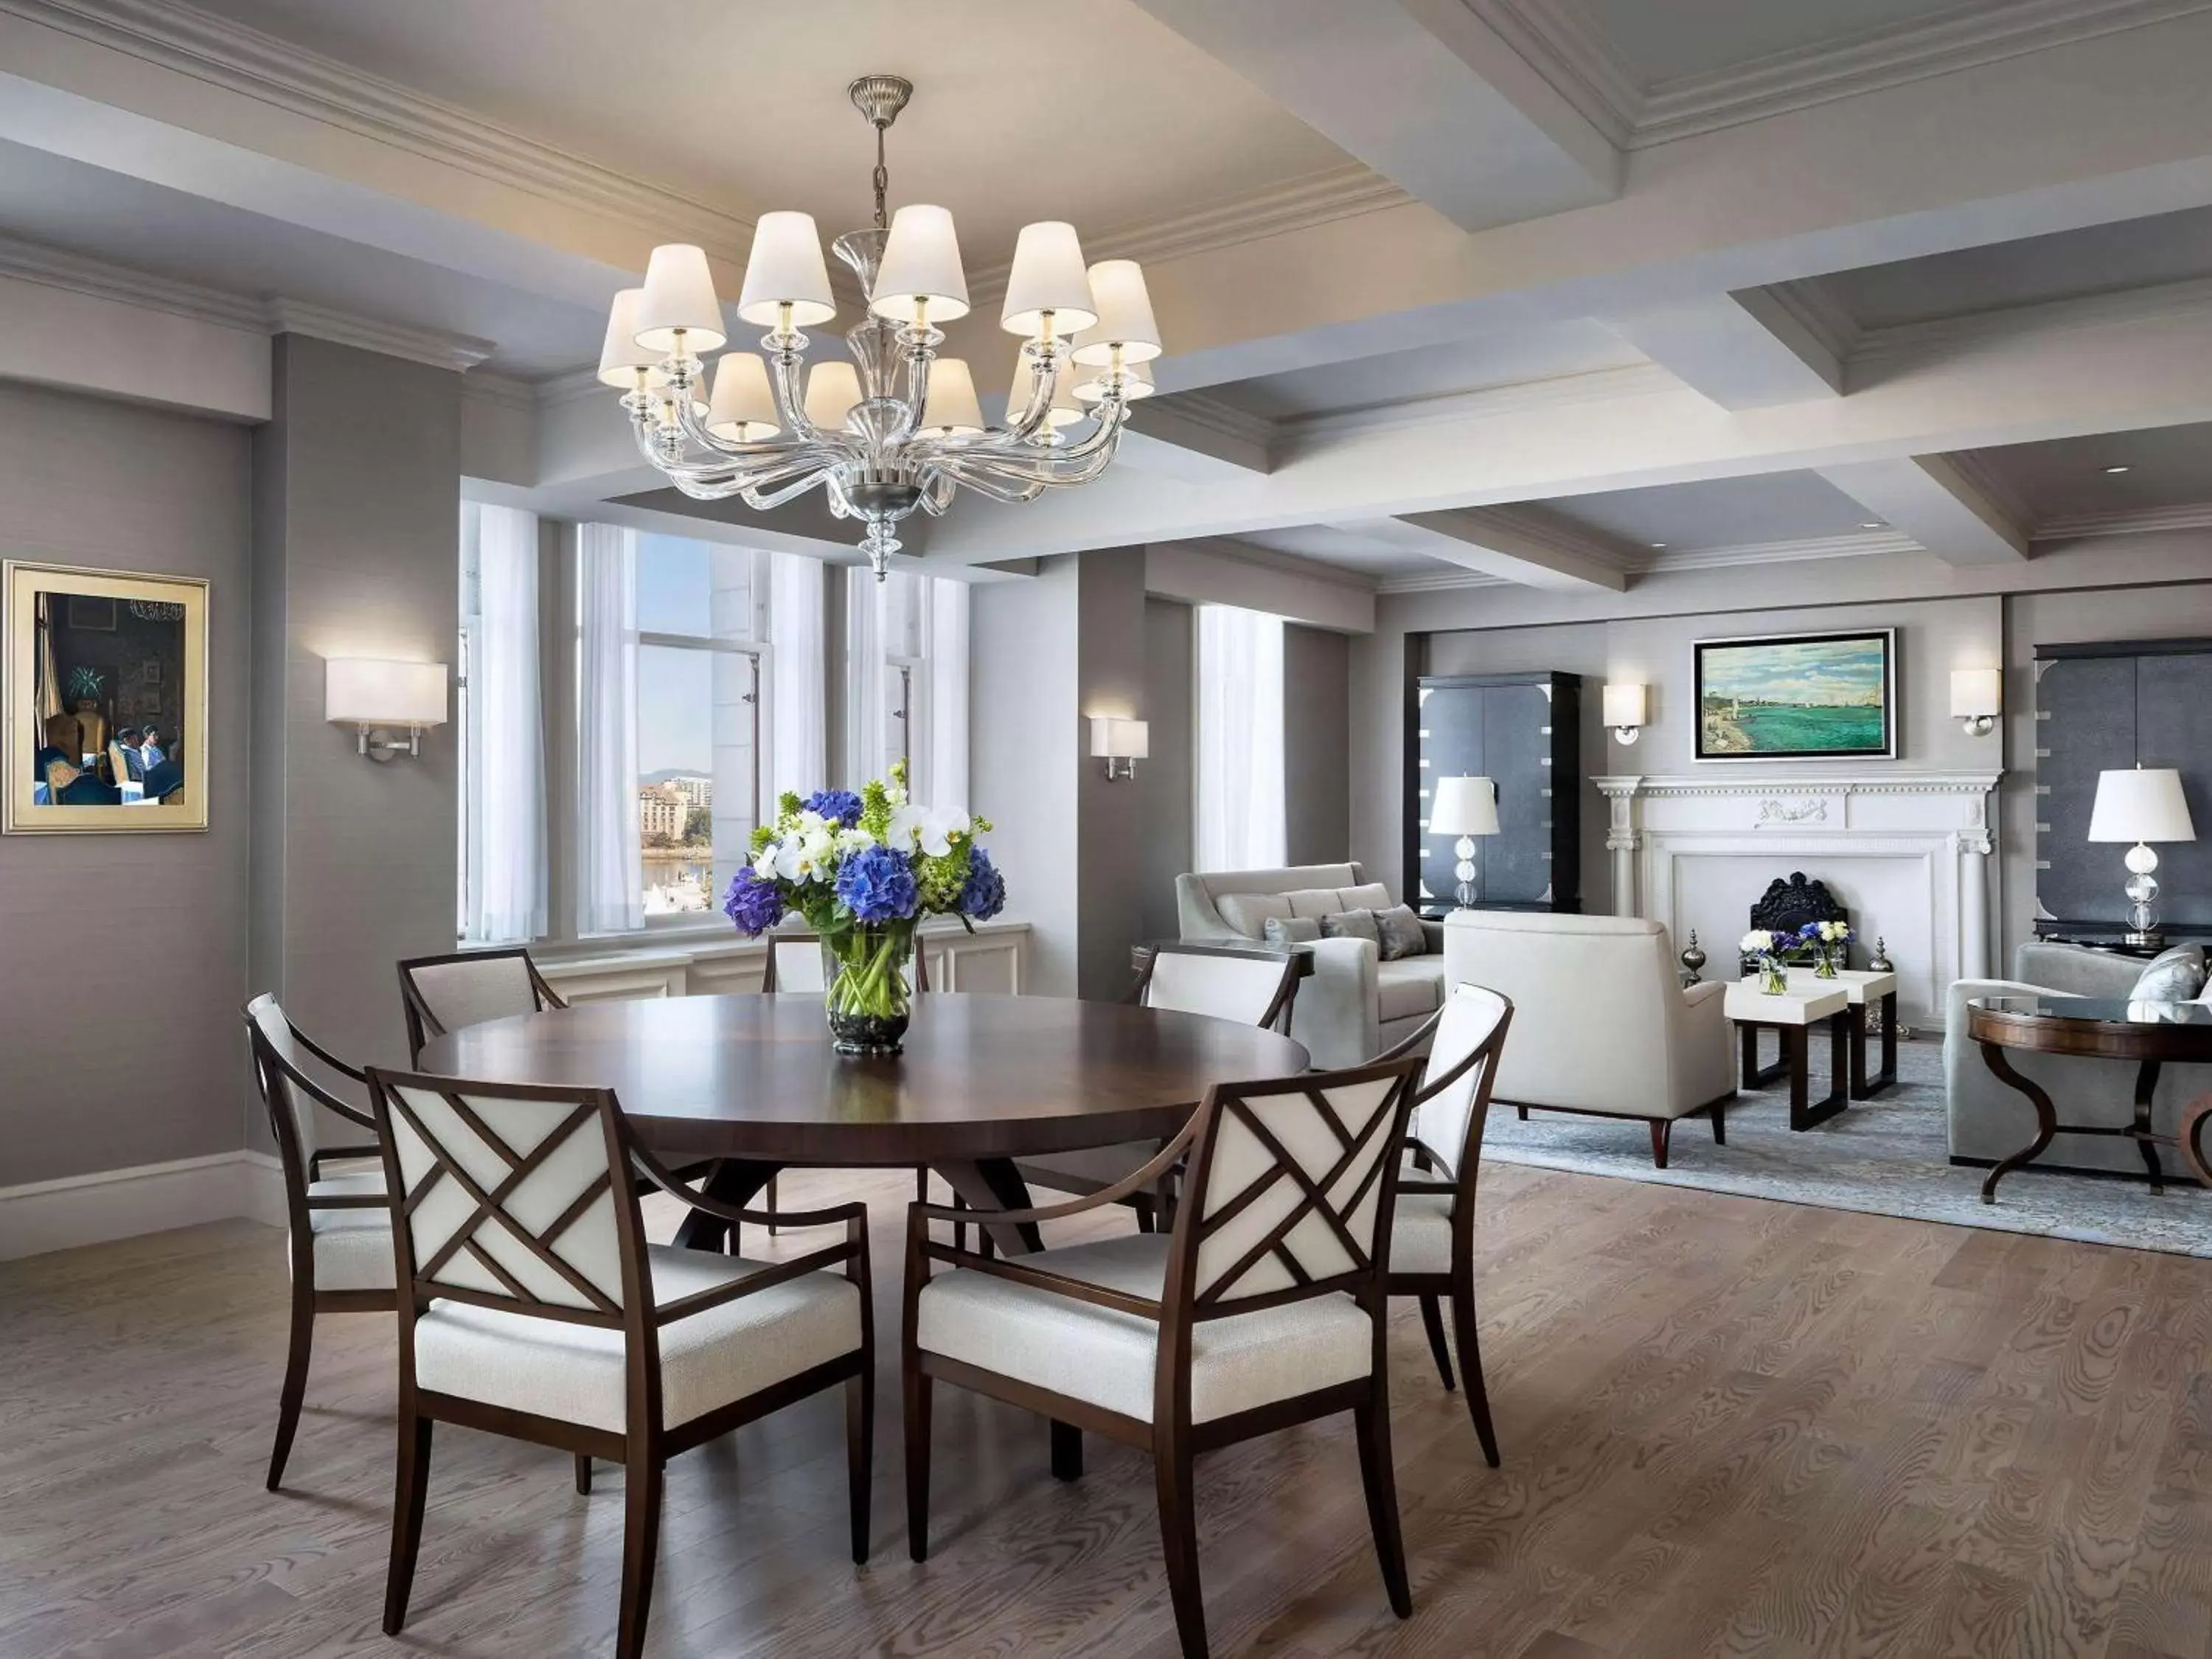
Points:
1907	853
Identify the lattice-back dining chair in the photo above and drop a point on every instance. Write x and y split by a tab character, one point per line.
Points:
466	988
338	1226
1265	1307
1432	1237
533	1307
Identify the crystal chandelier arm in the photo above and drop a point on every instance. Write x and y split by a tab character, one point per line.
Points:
1043	367
995	452
997	486
783	367
736	468
761	498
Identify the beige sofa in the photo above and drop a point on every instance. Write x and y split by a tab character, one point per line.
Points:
1353	1005
1602	1022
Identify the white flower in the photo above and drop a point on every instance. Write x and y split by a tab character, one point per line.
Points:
1758	942
927	828
764	862
853	840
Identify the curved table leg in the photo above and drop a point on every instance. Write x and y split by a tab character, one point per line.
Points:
993	1183
2147	1086
2046	1119
2192	1138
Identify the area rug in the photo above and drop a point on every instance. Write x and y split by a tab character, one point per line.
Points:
1887	1155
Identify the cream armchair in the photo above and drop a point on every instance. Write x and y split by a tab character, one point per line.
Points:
1602	1024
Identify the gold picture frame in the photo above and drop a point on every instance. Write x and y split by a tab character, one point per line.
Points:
56	681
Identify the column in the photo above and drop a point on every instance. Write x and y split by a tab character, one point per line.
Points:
1974	848
1623	839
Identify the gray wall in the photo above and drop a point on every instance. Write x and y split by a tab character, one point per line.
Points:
1317	745
123	958
1165	780
1111	825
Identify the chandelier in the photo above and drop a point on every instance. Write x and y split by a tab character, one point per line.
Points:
897	426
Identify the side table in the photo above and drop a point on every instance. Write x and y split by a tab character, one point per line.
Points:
1865	990
1792	1016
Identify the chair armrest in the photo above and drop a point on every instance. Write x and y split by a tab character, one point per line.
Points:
317	1159
327	1057
1042	1278
1415	1041
1149	1176
654	1171
855	1250
1703	991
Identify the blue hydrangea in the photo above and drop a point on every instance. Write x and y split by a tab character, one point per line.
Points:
840	806
984	894
877	885
755	905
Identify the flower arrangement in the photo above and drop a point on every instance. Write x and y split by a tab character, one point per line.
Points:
1766	946
1826	940
863	868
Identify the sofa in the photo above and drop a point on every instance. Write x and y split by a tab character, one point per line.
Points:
1989	1120
1353	1005
1602	1024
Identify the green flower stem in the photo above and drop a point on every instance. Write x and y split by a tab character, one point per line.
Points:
870	979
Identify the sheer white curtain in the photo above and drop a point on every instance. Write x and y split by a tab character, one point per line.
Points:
864	737
943	761
1241	824
799	733
503	890
609	896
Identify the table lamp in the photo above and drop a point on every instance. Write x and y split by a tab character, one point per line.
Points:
1465	807
2141	805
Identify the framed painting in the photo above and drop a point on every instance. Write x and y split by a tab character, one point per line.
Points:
103	701
1798	697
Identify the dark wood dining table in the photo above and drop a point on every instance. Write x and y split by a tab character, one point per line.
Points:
751	1082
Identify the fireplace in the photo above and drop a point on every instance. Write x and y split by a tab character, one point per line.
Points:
1786	906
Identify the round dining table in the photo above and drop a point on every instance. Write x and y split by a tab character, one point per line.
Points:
751	1082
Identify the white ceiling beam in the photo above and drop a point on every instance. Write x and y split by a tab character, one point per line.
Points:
1747	351
1928	499
1193	440
1423	91
1514	546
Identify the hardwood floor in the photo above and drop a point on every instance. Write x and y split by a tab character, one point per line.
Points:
1729	1426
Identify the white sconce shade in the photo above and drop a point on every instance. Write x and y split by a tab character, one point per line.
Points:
742	408
1464	806
2141	804
1048	277
785	269
1626	710
832	388
368	693
1066	410
678	307
921	265
1976	697
1124	316
952	404
1136	382
621	356
1120	743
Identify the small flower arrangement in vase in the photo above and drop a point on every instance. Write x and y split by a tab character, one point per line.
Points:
864	869
1767	947
1828	942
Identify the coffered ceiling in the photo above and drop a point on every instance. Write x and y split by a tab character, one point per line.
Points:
1682	38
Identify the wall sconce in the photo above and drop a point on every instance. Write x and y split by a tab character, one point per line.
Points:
374	697
1626	711
1120	743
1976	697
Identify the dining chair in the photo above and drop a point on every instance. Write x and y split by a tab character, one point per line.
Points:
338	1224
1252	988
534	1308
466	988
1432	1229
1264	1306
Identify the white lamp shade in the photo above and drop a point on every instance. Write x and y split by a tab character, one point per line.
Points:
621	356
1113	738
953	404
679	302
1066	410
785	269
1624	705
1976	693
2141	804
363	691
742	408
1464	806
921	262
1136	382
832	388
1124	316
1048	277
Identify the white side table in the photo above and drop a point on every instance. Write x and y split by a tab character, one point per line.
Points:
1793	1015
1865	990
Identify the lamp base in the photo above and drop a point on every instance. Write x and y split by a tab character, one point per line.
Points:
2152	939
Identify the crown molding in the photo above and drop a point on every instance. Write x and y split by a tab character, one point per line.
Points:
1540	522
1240	551
1859	544
260	66
1809	304
1218	415
573	388
1442	581
507	390
433	346
1995	490
1554	391
1918	339
2139	521
1564	45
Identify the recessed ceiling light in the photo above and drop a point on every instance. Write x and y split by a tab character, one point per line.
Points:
1870	524
2118	469
1658	543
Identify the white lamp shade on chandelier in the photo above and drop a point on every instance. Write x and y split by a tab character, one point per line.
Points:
2141	804
368	691
621	359
921	276
1124	316
785	269
1464	806
952	407
1136	382
742	408
678	313
1049	290
832	388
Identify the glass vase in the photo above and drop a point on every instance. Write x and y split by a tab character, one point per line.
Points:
1825	961
869	973
1773	977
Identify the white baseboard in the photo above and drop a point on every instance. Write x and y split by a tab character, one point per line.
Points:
150	1198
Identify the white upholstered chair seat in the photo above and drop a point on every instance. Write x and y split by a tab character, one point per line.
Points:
574	1373
1410	987
1420	1230
353	1246
1109	1358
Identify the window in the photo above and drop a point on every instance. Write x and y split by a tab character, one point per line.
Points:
906	649
1241	811
501	861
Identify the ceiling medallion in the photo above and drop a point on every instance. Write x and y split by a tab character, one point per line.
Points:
897	426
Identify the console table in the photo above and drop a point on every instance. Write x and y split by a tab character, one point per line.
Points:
1793	1016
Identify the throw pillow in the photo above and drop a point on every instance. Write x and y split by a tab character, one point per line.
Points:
1249	913
1370	896
2174	975
1313	902
1292	930
1352	924
1401	930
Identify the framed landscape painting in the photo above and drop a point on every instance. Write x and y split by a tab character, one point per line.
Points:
1800	696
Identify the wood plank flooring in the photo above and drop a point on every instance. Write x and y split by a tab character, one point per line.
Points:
1729	1427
